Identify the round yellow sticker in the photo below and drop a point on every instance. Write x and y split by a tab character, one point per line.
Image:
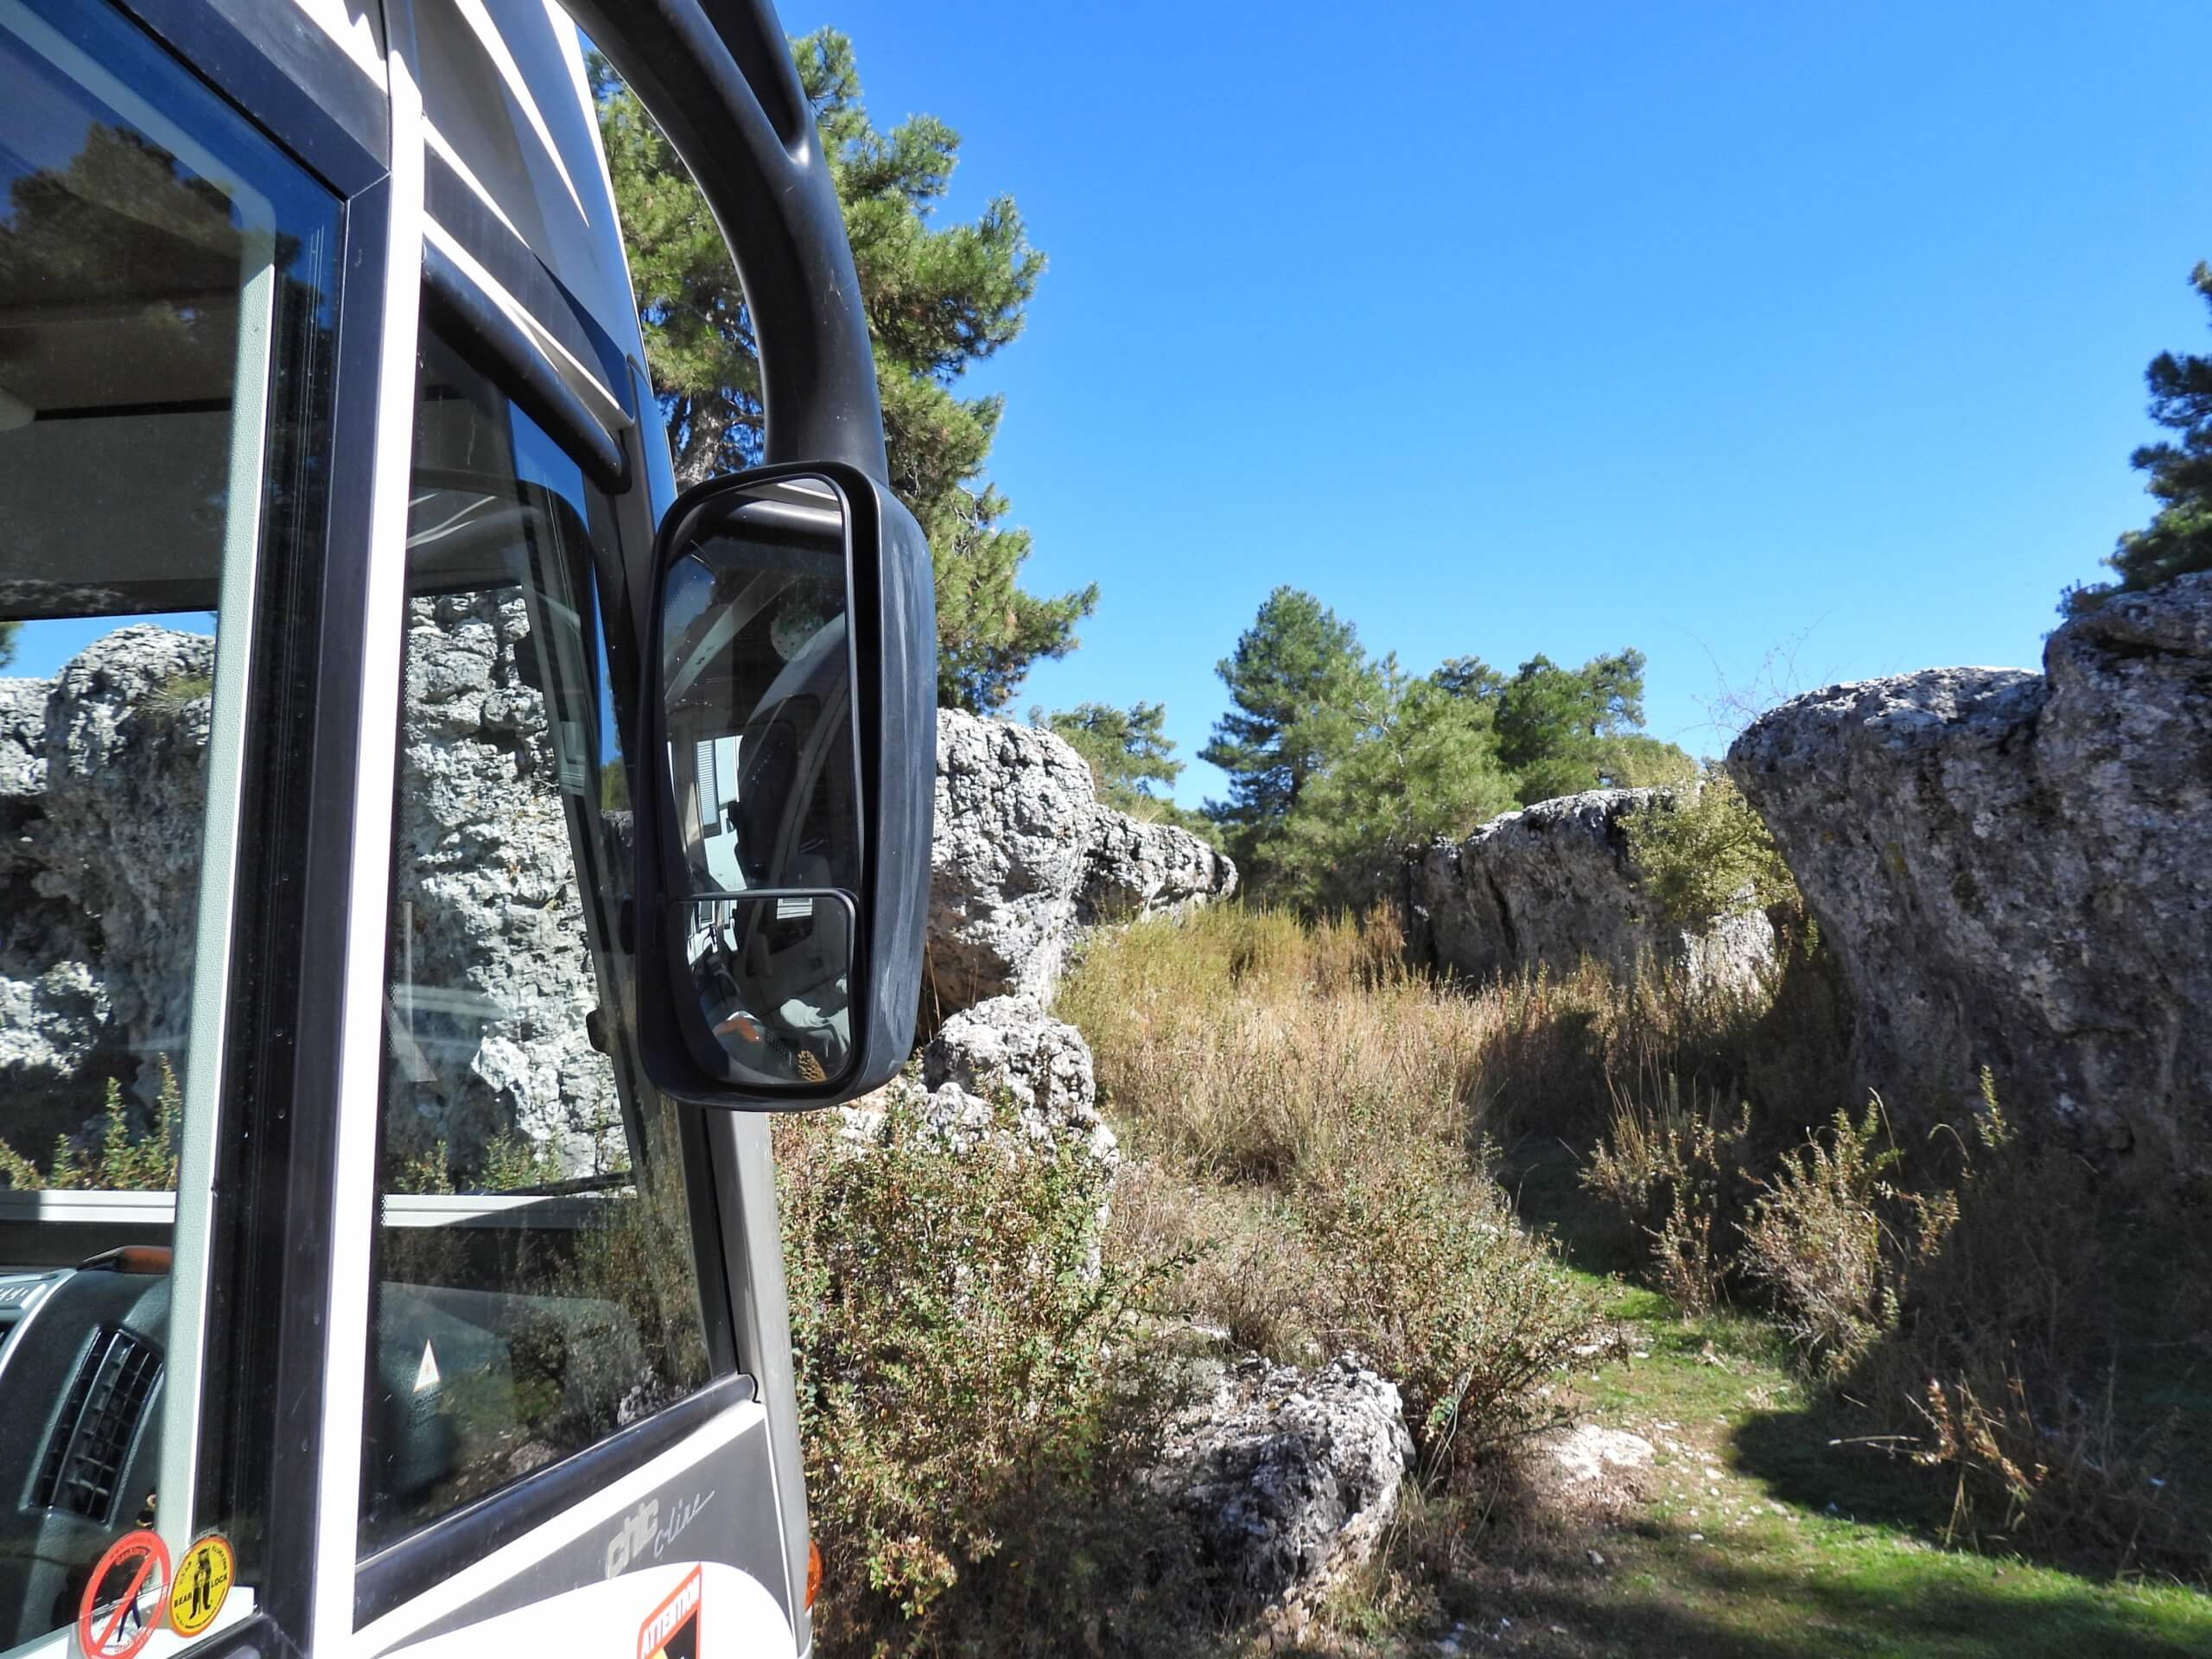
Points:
203	1578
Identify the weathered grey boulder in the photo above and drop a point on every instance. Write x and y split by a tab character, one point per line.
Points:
1135	868
1013	818
1289	1476
1552	884
102	790
1010	1044
1024	855
2015	870
1003	1067
489	1034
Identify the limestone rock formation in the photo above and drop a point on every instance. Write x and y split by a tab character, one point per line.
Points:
1004	1054
1010	1045
1023	855
1135	868
2015	870
103	786
1553	883
1013	814
493	979
1289	1476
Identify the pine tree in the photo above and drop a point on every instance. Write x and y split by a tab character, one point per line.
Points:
1563	730
2178	538
939	298
1127	749
1131	760
1424	764
1297	679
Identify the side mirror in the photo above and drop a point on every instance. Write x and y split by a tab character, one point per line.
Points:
785	793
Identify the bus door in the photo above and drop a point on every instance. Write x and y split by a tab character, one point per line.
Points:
375	1274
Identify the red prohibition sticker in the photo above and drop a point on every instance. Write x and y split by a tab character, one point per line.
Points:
125	1597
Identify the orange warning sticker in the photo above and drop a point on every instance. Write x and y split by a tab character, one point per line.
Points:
125	1598
203	1579
672	1632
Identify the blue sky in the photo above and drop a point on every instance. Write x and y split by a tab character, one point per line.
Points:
1718	329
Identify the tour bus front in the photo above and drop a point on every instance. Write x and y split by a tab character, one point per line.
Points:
419	829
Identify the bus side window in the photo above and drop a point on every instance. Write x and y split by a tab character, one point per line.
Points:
167	280
536	1287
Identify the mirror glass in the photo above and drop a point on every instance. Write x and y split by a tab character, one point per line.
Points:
773	974
763	776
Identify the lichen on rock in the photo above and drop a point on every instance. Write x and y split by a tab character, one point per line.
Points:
1289	1477
2015	871
1004	1069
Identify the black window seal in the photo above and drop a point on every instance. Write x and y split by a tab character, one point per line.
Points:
300	1182
396	1573
399	1572
287	77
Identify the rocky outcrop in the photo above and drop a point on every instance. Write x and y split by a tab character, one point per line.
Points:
1024	855
2015	870
1553	884
1288	1476
1013	818
103	786
1134	868
1010	1046
494	983
1003	1061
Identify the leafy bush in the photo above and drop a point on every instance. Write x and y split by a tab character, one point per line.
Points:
124	1158
976	1401
1427	1273
1701	850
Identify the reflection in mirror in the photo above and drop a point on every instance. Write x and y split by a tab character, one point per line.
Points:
762	767
773	973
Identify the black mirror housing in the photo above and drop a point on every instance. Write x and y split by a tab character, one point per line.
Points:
784	790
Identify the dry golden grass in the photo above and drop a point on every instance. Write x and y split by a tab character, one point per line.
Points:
1239	1045
1306	1113
1313	1119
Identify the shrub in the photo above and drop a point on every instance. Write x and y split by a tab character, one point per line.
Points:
124	1159
1252	1273
1427	1273
1311	1103
1817	1240
974	1400
2034	1301
1668	1170
1700	850
1971	1300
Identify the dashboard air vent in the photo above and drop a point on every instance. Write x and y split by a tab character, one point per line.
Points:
100	1420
